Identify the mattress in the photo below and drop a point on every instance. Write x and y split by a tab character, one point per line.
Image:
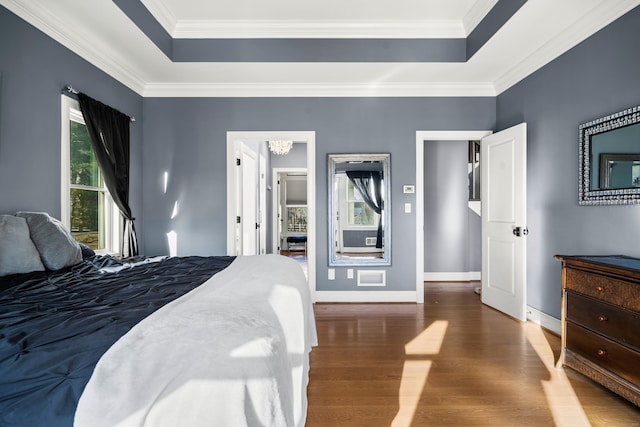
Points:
58	330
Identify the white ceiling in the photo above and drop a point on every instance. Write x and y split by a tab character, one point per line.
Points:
328	18
101	33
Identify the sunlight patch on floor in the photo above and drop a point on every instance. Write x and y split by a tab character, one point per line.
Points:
429	341
414	377
415	372
561	398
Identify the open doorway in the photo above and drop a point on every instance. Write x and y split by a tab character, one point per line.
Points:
503	212
423	138
290	214
303	140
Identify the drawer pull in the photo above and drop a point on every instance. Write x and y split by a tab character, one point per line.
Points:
602	352
599	288
602	318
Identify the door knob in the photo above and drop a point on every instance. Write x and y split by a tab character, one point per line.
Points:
519	231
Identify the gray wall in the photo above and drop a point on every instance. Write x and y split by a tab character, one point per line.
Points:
187	138
452	231
34	70
296	158
596	78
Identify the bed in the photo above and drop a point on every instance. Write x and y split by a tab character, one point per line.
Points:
156	341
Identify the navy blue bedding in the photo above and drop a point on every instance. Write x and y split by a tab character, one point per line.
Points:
55	326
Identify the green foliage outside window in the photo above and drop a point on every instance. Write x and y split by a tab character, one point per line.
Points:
87	194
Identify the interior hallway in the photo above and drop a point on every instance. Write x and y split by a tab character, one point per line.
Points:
449	362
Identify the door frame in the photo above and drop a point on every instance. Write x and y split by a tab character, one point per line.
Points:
275	173
307	137
423	137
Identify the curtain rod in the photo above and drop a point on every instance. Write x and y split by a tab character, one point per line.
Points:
70	89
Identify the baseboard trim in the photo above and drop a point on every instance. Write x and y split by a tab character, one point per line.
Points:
365	296
543	319
462	276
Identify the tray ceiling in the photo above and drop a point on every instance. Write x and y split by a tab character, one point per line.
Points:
103	34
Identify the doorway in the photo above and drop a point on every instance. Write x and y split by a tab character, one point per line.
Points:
422	138
513	299
234	196
290	214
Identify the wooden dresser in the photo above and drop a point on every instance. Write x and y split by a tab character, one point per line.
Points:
601	320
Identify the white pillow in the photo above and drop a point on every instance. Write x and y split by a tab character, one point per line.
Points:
57	247
18	254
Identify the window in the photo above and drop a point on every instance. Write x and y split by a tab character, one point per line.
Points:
87	208
359	212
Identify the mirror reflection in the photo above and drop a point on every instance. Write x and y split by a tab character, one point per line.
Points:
610	159
359	223
619	170
613	155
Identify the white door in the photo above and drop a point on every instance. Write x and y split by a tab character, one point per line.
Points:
262	205
248	217
504	220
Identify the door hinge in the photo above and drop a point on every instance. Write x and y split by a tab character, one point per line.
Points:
237	220
237	162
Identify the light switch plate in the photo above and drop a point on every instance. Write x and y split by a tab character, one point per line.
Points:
407	208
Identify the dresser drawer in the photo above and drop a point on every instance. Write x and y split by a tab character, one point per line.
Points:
614	291
618	324
614	357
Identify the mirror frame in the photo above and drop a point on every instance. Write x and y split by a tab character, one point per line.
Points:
587	196
334	259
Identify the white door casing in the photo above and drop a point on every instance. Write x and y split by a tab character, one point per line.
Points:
248	189
422	138
279	177
504	220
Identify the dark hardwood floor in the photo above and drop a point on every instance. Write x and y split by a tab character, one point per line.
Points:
449	362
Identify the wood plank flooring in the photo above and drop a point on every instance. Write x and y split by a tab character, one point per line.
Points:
449	362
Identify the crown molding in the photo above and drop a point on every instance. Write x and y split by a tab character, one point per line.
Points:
476	14
593	21
277	90
219	29
211	29
162	14
80	45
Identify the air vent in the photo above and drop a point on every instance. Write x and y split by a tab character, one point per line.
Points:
372	278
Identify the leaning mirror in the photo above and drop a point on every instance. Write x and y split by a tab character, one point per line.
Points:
359	221
610	160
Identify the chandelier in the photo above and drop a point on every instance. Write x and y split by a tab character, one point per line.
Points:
280	147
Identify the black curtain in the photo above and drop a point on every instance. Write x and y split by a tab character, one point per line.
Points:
362	181
109	132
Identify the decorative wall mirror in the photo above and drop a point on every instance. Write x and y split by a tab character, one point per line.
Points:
610	160
359	220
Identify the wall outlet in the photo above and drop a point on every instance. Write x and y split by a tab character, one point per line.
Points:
332	274
350	273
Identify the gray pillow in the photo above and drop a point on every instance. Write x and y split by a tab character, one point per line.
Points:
58	249
18	254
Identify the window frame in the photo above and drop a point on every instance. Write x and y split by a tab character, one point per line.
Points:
346	205
113	224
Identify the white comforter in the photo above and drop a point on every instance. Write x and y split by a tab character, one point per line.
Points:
232	352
